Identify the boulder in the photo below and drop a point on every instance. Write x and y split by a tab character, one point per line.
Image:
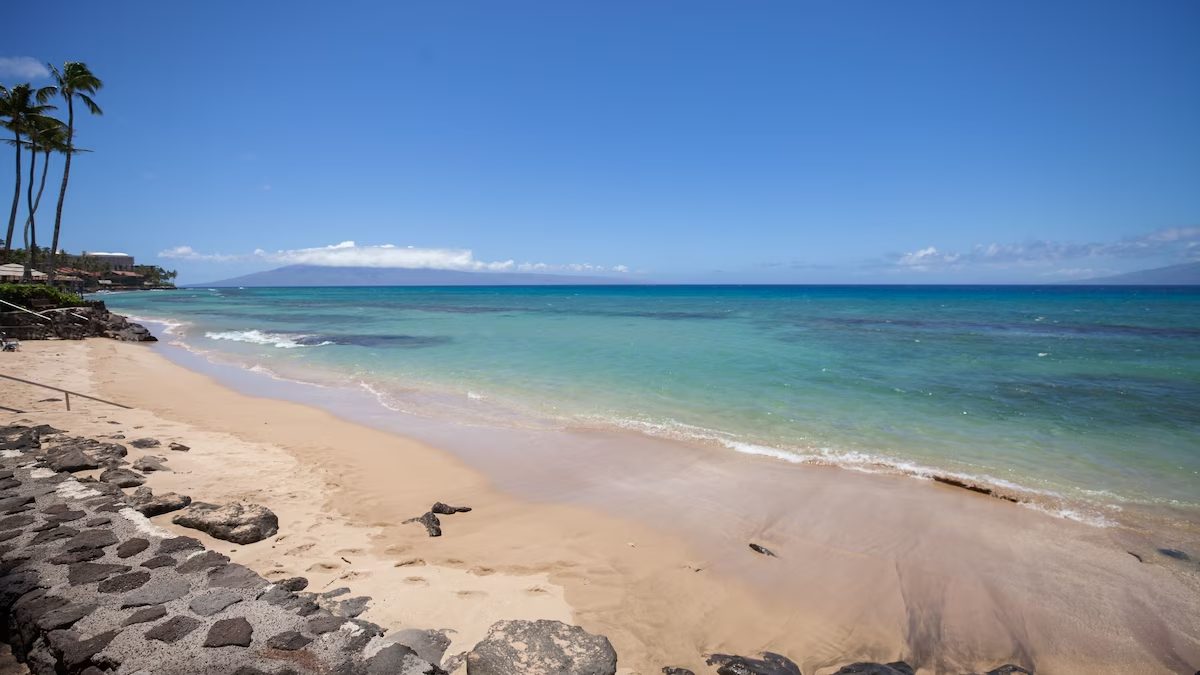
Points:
235	522
399	660
541	648
144	501
144	443
122	478
769	664
150	463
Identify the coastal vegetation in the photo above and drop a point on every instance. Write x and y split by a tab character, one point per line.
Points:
30	295
27	113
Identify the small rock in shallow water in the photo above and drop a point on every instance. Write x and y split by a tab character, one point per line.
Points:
763	550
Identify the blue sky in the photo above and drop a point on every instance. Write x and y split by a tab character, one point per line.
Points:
676	141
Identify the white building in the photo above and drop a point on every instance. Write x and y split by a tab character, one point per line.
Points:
118	261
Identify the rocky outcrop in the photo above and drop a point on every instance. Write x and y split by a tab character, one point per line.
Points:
76	323
541	648
149	505
236	522
124	596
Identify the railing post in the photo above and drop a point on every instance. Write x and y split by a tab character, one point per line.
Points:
68	401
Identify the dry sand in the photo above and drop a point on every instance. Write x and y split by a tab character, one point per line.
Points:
644	542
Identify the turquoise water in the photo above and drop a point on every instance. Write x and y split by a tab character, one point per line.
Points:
1088	396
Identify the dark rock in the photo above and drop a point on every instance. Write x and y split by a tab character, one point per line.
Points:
293	584
71	460
146	614
122	477
895	668
158	592
351	608
151	463
770	664
398	659
278	596
446	509
173	629
144	443
200	561
335	593
56	508
19	520
159	561
214	601
77	556
97	522
233	575
235	522
91	539
763	550
432	525
319	625
430	645
88	572
124	583
541	648
148	505
19	437
47	430
64	617
1010	669
288	641
1175	554
230	632
16	504
75	652
179	447
5	536
65	516
177	544
9	483
132	547
668	670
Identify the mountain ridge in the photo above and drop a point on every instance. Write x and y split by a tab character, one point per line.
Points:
317	275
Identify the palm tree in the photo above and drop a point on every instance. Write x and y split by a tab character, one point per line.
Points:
46	135
74	81
19	104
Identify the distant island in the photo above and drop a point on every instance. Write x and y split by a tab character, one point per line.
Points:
316	275
1186	274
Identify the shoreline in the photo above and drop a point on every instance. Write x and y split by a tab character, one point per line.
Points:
921	584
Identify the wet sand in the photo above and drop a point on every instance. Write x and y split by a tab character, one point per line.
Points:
639	539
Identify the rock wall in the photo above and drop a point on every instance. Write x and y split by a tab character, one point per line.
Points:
74	324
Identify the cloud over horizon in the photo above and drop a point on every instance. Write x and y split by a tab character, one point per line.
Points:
24	67
1182	243
351	254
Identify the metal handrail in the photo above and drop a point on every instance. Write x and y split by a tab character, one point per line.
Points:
68	392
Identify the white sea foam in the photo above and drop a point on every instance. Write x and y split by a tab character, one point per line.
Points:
258	337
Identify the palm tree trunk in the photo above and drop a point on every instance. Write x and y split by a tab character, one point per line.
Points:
37	202
30	226
62	191
12	215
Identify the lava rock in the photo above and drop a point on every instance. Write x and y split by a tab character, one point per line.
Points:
432	525
178	447
770	664
213	602
148	505
173	629
289	641
541	648
235	522
91	539
158	592
132	547
124	583
230	632
398	659
177	544
151	463
446	509
146	614
668	670
159	561
88	572
122	478
144	443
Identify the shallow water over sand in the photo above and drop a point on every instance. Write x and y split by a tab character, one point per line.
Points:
1080	400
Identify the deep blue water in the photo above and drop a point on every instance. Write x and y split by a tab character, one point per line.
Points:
1088	393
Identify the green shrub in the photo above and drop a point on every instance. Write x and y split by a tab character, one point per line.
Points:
24	294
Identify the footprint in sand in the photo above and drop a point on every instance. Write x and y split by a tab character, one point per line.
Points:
323	567
453	561
471	594
482	571
302	548
408	562
536	590
416	581
350	576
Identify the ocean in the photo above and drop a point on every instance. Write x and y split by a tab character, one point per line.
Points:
1082	401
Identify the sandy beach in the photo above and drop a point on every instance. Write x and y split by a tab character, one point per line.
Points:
642	541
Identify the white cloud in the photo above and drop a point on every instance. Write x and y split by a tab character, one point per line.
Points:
24	67
1177	242
351	254
189	253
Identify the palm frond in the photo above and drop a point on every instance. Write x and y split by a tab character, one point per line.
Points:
91	105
